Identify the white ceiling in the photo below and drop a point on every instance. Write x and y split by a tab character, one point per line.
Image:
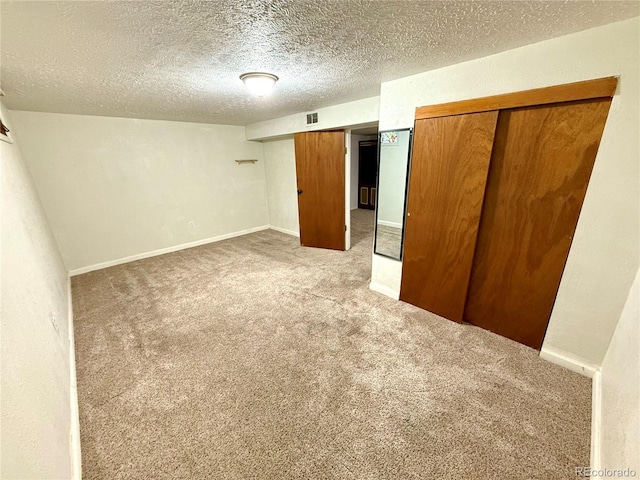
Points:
180	60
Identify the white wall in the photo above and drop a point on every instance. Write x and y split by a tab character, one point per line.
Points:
620	395
393	178
604	254
119	187
36	355
280	170
361	112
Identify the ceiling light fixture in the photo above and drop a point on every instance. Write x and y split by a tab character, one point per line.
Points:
259	83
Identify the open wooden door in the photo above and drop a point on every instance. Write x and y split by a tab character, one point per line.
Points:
320	170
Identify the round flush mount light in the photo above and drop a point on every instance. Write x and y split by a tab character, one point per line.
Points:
259	83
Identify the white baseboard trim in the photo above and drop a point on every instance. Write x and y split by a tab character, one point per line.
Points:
390	224
596	420
376	287
74	430
284	230
162	251
566	360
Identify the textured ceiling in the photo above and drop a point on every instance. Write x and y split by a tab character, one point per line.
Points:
180	60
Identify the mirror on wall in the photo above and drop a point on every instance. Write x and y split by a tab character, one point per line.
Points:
394	151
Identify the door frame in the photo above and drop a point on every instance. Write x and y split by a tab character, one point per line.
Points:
347	189
347	174
347	178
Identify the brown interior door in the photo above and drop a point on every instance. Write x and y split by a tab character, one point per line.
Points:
446	188
320	171
541	164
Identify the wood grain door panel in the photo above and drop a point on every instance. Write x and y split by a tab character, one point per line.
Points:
540	167
320	171
446	190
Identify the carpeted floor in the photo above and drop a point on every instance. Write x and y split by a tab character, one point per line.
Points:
254	358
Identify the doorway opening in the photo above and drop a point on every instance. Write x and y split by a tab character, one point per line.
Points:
363	172
329	162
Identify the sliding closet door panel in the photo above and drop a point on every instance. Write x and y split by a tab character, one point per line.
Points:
448	174
541	164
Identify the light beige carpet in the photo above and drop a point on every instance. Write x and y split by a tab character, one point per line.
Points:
254	358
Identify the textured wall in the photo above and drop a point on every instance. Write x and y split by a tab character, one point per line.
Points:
117	187
620	426
35	412
280	169
604	255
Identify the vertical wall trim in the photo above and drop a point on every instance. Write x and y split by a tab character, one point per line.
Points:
596	419
347	189
74	433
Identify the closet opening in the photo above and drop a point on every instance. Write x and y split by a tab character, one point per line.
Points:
495	193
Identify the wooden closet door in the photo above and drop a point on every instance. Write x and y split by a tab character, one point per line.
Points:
449	169
541	164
